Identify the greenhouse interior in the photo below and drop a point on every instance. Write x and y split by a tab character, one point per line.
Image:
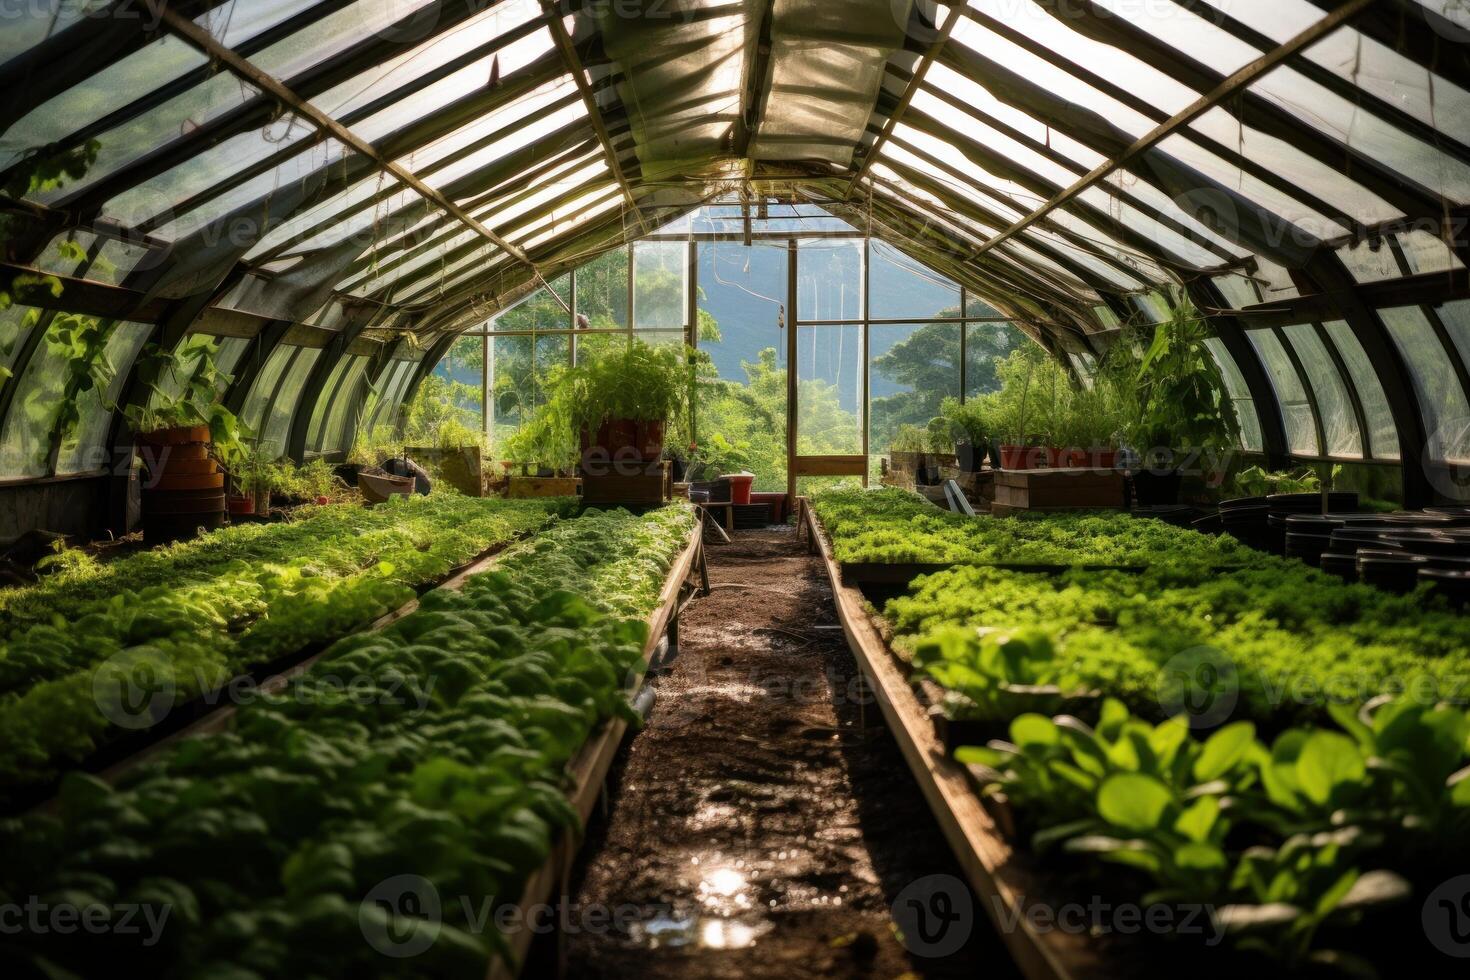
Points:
734	488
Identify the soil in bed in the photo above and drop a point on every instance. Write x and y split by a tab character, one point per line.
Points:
758	828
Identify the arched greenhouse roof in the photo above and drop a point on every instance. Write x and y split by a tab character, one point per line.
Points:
336	189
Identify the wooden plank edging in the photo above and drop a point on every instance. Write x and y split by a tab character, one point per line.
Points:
1007	891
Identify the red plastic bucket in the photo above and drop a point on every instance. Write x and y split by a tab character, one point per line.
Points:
740	484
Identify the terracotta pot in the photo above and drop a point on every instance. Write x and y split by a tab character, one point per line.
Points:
616	437
175	437
1021	457
650	441
1057	457
241	505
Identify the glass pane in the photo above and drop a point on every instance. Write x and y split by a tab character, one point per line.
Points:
1240	396
113	87
277	425
985	343
901	288
346	405
515	387
660	285
602	291
741	416
84	448
44	19
1370	264
1333	403
383	408
324	401
829	283
263	389
25	445
1456	318
223	351
1382	433
1441	399
16	324
912	368
1301	429
446	410
829	390
539	311
1427	253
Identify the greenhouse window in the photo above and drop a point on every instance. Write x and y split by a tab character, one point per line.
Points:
85	448
263	388
1382	432
660	285
276	426
1441	397
1334	404
1240	396
1291	394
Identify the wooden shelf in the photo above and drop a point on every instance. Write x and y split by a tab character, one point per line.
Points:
1004	886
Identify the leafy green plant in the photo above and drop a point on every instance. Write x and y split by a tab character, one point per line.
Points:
994	676
446	760
1254	481
186	384
1284	895
201	611
970	421
1182	403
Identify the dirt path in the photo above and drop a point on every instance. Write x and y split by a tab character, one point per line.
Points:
757	829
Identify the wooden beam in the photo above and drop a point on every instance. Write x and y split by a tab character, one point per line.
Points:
589	100
192	33
32	287
1237	82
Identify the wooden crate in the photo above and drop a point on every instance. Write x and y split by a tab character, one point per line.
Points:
522	487
652	486
1057	489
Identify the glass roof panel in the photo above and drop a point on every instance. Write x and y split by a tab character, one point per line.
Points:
1382	432
159	196
402	21
1240	396
1441	399
1301	426
479	31
1334	406
46	18
301	167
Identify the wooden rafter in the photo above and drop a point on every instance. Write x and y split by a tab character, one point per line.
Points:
1235	83
195	35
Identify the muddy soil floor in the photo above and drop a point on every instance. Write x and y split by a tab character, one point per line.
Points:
756	826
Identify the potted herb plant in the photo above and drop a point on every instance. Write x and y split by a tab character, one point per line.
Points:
939	443
181	431
969	423
1014	407
1181	407
622	400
